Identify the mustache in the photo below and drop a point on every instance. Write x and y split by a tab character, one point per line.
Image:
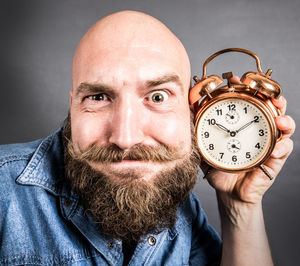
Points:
113	154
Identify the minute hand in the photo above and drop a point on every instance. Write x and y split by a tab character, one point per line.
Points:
244	126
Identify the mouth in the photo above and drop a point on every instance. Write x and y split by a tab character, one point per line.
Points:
128	164
127	159
133	163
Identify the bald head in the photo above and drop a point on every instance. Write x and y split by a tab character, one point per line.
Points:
123	33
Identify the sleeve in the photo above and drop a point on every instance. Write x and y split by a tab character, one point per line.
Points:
206	246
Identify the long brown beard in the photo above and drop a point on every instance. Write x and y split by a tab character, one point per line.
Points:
134	208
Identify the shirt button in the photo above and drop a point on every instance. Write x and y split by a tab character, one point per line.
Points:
67	202
110	245
151	240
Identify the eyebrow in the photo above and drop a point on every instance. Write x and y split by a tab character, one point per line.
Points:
100	88
92	88
165	79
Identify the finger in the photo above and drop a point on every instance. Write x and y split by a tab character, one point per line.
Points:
286	125
278	157
280	104
235	80
283	149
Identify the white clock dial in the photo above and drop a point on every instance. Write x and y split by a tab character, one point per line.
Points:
233	134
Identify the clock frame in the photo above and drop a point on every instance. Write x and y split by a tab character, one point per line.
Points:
256	88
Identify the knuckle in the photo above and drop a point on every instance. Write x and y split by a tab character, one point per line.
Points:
291	143
284	101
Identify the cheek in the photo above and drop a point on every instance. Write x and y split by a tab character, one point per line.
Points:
174	131
87	130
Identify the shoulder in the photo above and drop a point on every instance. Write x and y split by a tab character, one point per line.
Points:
13	160
191	208
206	244
191	214
18	151
24	162
24	151
14	157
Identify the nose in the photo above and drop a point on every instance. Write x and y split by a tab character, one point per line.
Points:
127	124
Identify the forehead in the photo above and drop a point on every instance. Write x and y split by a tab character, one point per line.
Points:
128	66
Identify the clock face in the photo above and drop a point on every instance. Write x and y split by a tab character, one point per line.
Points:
233	134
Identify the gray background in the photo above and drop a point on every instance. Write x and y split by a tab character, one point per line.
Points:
38	39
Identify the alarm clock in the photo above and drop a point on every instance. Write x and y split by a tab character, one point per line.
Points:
235	123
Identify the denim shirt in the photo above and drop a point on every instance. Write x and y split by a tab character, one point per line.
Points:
42	222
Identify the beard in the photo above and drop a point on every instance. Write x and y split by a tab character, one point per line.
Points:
129	208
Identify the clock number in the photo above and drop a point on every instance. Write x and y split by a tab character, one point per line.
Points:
248	155
211	121
256	119
245	109
222	154
219	111
231	107
206	134
257	145
261	132
211	146
234	159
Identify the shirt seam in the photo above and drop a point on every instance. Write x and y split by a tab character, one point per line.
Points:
62	260
12	159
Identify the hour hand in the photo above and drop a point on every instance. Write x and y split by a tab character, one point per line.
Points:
223	128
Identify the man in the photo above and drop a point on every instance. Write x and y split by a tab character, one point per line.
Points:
113	187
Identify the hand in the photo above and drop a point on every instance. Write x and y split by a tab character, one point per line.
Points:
249	187
244	126
223	128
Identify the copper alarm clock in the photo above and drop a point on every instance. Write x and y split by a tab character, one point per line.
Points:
235	124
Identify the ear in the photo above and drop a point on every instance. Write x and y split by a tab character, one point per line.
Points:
71	95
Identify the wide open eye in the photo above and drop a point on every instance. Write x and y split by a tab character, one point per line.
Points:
98	97
158	96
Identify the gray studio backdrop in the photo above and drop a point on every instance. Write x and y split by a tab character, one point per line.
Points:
38	39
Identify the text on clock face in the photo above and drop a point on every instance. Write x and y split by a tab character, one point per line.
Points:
233	133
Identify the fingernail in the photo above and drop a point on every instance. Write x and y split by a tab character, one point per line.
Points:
277	153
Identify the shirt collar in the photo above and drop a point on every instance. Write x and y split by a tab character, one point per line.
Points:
46	167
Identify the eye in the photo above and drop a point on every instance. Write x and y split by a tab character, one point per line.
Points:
158	96
98	97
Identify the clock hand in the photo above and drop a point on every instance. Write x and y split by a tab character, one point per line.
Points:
231	116
223	128
234	146
244	126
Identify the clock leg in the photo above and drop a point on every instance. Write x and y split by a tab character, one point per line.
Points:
266	172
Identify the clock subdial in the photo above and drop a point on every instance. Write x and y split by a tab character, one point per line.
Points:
233	145
232	117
